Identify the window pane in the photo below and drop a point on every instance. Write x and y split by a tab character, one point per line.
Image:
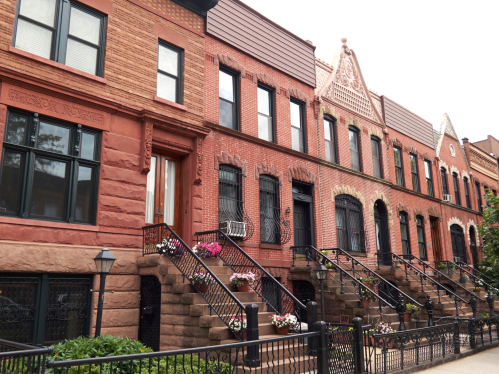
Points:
53	138
84	26
414	167
353	140
295	115
85	194
88	146
427	166
11	182
297	139
265	127
167	87
330	151
49	188
397	156
151	184
34	39
263	101
81	56
327	130
354	159
168	60
42	11
16	129
226	114
226	86
169	208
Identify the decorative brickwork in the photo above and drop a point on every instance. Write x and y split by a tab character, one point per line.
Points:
404	208
225	158
229	62
199	164
411	149
301	173
433	211
263	168
454	169
296	93
442	164
146	150
397	143
455	221
381	196
464	174
349	121
347	190
325	109
427	156
267	80
376	132
419	212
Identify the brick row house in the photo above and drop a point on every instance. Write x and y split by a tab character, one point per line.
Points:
117	114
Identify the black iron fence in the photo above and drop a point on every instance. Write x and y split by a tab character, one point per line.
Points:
16	358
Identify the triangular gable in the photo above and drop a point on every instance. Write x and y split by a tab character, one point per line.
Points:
446	128
346	86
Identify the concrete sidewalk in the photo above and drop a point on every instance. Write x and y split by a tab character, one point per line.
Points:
486	362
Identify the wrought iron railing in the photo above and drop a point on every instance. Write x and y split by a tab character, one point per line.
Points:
483	331
477	275
278	298
413	272
386	293
220	299
21	358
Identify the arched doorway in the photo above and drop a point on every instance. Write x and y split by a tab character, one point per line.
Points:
473	246
458	246
382	234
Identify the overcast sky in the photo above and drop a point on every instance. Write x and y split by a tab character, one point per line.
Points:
432	57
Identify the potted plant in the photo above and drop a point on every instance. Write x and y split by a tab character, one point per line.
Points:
370	281
242	281
411	312
366	297
172	247
283	323
442	265
382	328
238	326
329	265
202	281
463	278
483	314
207	250
450	268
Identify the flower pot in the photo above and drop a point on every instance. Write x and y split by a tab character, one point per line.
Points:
202	287
365	303
243	288
282	330
238	335
407	317
450	271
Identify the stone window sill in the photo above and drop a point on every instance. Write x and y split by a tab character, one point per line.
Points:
170	103
58	65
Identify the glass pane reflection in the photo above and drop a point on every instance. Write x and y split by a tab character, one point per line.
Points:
49	188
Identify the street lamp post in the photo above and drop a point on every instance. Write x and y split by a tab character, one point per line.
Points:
104	262
321	273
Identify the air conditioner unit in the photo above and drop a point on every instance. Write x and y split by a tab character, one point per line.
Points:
448	198
233	229
457	259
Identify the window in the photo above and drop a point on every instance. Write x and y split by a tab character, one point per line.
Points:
330	137
230	196
444	181
421	237
63	31
349	223
429	179
355	159
486	191
455	180
51	174
376	153
170	61
467	193
414	172
399	169
270	213
478	197
404	233
228	91
266	114
298	135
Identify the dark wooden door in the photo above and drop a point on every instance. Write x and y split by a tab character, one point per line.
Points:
301	223
458	246
473	247
150	311
435	239
381	231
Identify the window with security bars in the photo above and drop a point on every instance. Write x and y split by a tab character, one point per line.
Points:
421	237
455	180
414	171
330	138
64	31
404	233
429	178
270	212
230	195
399	169
445	187
169	81
467	192
376	155
478	197
49	169
266	129
354	140
298	133
349	224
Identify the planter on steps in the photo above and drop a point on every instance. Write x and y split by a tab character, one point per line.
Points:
238	335
407	317
244	288
203	288
365	303
282	330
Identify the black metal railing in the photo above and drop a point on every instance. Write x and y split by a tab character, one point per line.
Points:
386	293
483	331
21	358
219	298
277	297
463	328
479	278
426	281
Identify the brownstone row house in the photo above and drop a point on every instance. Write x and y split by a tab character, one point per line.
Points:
116	114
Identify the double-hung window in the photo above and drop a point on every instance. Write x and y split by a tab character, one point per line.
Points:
455	180
404	233
467	192
49	169
266	114
170	61
478	197
354	140
414	172
330	139
445	188
298	131
64	31
376	153
399	169
429	178
421	237
228	93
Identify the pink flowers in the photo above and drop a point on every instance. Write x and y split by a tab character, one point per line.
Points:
242	279
205	250
282	321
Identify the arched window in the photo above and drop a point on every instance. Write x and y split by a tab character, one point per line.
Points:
404	233
349	224
421	237
376	153
330	138
458	246
230	194
270	213
355	155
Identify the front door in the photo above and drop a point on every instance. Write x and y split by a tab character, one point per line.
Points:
302	214
458	246
381	230
150	311
164	192
435	239
473	247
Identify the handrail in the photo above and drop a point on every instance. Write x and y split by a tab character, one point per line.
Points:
481	275
423	276
219	298
461	270
239	261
